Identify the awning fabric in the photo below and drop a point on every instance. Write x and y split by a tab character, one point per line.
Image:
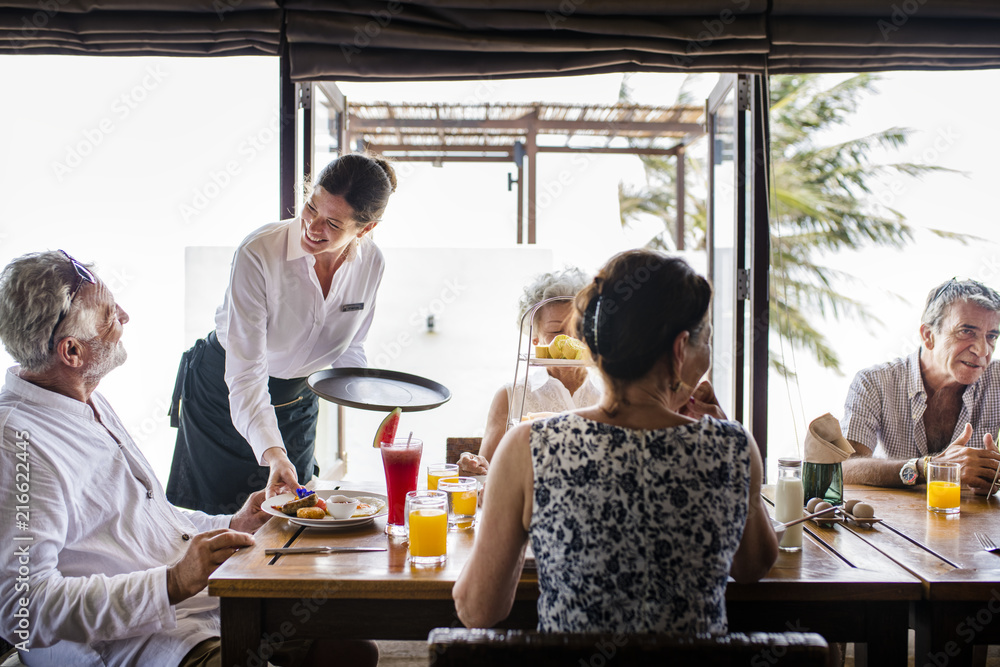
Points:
141	28
353	40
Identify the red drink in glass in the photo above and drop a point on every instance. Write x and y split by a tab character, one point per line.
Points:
402	466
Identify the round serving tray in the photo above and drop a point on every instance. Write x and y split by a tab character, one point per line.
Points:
378	389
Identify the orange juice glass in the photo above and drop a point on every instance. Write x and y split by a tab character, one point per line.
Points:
944	487
463	499
427	516
436	471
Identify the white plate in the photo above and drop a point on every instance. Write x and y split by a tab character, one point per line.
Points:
271	507
535	361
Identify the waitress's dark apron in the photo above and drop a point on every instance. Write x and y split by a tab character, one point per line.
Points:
214	469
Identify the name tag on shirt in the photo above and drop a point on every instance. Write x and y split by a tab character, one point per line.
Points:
352	306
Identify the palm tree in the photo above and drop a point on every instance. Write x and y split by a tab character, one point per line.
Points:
822	201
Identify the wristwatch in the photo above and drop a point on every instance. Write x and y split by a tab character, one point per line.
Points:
908	473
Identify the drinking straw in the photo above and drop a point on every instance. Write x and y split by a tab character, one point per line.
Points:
408	438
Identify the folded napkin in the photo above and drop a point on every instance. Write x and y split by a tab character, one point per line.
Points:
825	443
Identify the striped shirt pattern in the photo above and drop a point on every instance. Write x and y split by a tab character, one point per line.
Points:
885	408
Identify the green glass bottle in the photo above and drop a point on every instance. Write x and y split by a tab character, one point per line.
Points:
823	480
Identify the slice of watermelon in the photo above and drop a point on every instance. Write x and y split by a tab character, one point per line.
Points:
387	429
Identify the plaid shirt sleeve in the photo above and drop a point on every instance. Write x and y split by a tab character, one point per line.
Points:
863	410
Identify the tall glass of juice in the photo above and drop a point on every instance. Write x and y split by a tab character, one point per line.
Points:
401	461
427	515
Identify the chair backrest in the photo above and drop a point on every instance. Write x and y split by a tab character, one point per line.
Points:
455	446
452	647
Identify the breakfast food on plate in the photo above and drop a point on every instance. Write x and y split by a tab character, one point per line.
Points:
292	507
566	347
542	352
537	415
368	507
811	505
341	507
849	505
574	349
310	513
386	431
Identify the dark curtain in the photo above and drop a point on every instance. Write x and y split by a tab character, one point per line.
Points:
139	28
463	39
861	35
442	39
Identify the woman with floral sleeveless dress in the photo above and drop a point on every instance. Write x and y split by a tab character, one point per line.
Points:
639	508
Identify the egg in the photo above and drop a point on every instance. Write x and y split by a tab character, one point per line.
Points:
811	505
849	505
864	511
824	520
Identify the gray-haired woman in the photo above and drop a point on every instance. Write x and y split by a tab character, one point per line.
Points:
554	389
301	298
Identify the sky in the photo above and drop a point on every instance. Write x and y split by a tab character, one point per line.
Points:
131	163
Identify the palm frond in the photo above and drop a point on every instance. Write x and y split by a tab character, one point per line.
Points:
826	200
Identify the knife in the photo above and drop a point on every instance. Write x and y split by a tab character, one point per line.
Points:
319	550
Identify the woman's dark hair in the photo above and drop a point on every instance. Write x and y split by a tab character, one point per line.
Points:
364	180
635	307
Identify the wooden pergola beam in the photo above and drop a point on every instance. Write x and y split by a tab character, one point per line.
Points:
447	133
411	151
360	125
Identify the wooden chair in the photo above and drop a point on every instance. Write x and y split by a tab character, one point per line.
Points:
459	647
455	446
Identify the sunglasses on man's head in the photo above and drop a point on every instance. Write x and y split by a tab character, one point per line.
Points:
943	288
83	276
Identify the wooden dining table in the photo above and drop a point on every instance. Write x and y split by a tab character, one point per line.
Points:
959	606
860	595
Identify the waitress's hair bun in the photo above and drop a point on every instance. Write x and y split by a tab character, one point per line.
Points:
364	180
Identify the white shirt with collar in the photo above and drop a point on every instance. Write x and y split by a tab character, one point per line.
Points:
93	538
547	394
275	322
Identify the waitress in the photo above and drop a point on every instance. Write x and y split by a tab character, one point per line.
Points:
301	297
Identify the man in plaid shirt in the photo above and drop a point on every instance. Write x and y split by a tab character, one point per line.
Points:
942	402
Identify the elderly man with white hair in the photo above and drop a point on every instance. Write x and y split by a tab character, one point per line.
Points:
941	403
100	568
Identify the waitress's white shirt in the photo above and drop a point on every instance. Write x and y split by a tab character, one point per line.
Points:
275	322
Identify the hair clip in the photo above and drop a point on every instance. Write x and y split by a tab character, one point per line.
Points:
597	324
592	324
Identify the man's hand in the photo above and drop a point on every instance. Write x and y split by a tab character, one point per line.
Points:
251	516
206	552
979	466
472	464
703	402
283	478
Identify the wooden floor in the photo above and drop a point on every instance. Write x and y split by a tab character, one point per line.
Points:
403	654
414	654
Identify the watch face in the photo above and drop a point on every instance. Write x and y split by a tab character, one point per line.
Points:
908	473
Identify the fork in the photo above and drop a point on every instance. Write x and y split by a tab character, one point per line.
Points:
986	542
